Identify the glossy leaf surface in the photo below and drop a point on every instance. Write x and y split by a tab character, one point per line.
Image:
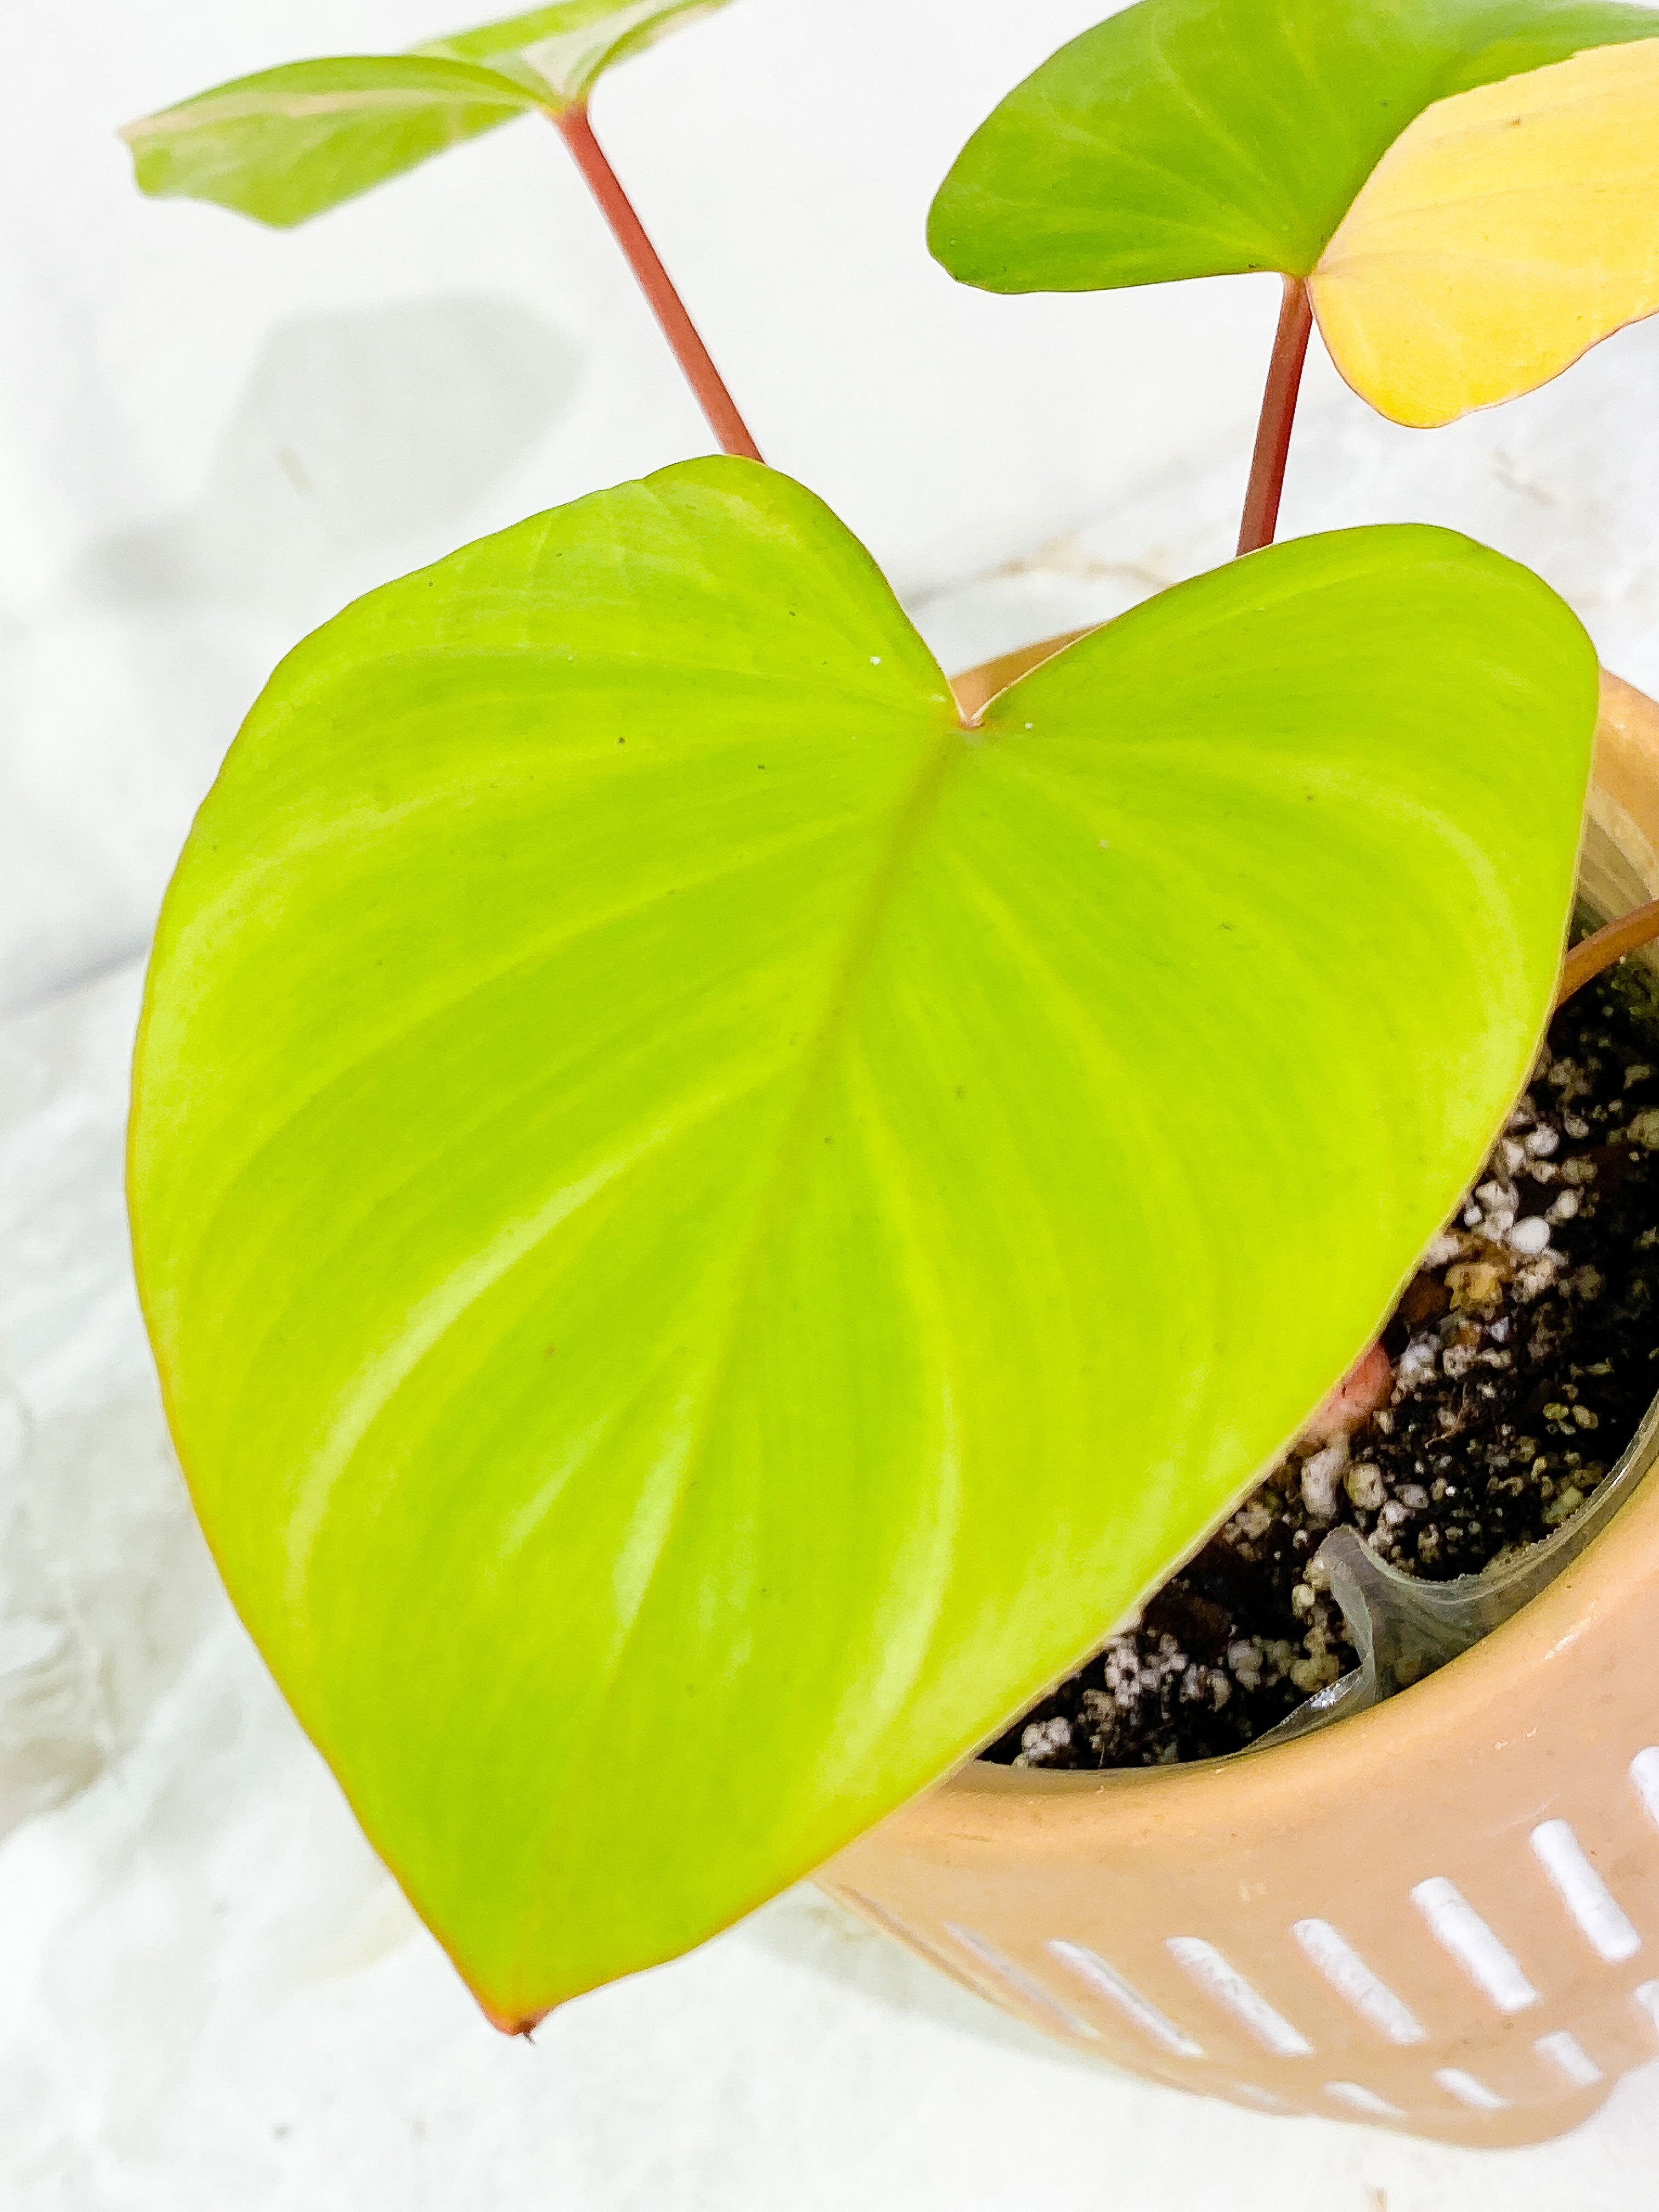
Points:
1505	232
291	143
1203	137
707	1232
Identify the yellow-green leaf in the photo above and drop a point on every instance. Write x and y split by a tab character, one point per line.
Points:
708	1230
291	143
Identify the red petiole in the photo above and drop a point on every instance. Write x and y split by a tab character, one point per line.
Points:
1273	436
689	349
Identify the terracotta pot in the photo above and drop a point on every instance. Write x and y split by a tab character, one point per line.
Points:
1440	1916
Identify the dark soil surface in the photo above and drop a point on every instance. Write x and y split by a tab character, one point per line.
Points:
1525	1352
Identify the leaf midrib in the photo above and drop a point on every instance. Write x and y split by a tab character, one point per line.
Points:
915	816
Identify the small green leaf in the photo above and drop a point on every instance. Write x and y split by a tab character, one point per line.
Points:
293	142
707	1232
1204	137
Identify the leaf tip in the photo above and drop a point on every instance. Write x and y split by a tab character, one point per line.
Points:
511	2021
134	135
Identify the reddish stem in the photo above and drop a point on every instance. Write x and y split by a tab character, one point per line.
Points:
1273	435
700	374
1586	961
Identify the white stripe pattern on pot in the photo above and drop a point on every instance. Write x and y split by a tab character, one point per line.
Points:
1359	2099
1468	2090
1607	1926
1563	2048
1217	1976
1092	1970
1453	1921
1644	1773
1017	1979
914	1940
1458	1928
1355	1982
1254	2093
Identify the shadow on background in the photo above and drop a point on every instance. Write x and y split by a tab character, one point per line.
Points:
357	425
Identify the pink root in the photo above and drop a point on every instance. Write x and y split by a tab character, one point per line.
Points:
1363	1389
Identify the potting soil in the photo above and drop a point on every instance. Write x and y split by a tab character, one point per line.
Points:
1525	1352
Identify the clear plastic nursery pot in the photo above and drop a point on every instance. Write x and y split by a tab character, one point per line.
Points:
1441	1916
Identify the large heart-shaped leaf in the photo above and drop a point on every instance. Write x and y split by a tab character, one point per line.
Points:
708	1230
290	142
1205	137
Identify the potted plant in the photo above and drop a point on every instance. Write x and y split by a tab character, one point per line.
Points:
714	1213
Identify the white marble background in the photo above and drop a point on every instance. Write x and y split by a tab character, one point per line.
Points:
210	437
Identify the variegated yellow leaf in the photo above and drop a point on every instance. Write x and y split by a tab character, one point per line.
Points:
1506	231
